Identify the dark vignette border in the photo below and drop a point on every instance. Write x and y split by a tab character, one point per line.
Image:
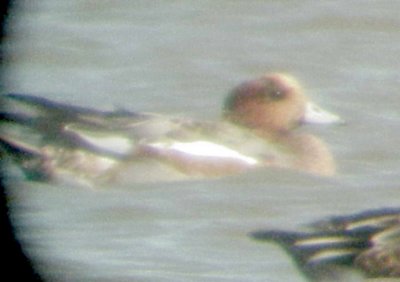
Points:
16	266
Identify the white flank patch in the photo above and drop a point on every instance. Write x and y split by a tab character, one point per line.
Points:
205	149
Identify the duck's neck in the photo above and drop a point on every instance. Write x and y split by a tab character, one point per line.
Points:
279	136
314	155
309	153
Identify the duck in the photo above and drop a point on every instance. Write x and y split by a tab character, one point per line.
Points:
366	244
259	127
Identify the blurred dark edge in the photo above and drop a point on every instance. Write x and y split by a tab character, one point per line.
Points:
16	266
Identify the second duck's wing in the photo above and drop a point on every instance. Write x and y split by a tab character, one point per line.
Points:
367	242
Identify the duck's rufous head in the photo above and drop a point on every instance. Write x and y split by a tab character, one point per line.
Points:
274	103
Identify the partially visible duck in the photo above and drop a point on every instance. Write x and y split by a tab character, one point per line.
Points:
366	242
258	129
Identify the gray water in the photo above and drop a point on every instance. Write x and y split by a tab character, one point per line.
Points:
181	58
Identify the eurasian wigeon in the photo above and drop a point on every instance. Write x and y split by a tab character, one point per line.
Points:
366	244
258	129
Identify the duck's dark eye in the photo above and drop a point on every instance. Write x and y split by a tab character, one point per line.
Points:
278	93
274	91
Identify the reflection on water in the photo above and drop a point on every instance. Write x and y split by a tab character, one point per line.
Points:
181	58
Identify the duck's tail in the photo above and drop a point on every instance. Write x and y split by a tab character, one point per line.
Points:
17	107
35	131
29	159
